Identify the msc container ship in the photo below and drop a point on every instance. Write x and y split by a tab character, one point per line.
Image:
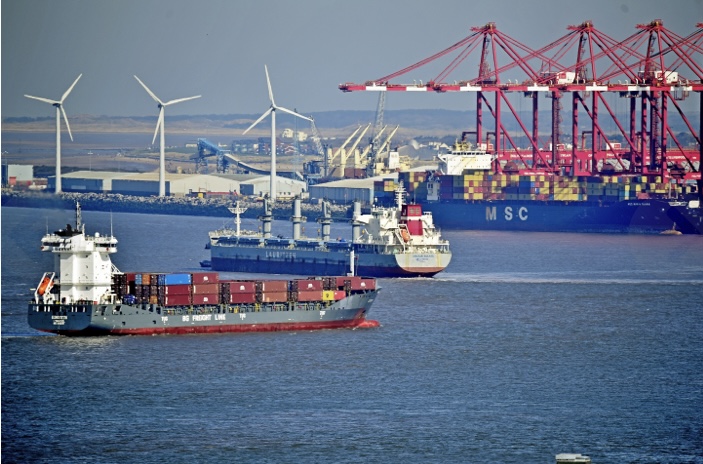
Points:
87	295
466	191
398	241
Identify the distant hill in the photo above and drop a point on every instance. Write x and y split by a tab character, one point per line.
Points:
413	123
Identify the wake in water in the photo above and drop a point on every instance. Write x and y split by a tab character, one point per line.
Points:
572	278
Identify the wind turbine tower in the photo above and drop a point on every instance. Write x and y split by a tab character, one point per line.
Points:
272	111
160	126
59	111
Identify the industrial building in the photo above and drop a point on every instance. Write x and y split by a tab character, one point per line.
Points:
147	184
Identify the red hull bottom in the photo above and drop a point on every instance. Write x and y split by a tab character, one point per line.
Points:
279	327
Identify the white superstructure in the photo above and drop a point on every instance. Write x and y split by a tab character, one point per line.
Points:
462	157
82	265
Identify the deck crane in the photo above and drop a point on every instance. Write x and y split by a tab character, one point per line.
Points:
341	150
208	149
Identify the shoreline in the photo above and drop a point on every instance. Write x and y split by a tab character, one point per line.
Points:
181	206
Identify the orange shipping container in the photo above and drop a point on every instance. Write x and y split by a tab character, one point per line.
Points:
274	297
206	288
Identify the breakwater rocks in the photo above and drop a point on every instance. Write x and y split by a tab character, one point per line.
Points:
184	206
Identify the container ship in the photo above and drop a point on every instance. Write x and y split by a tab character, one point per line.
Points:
86	295
396	241
468	191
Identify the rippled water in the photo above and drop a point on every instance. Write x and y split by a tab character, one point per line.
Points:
529	345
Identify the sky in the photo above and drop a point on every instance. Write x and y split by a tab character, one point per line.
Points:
218	49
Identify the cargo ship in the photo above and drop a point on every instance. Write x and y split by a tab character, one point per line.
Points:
86	295
467	191
396	241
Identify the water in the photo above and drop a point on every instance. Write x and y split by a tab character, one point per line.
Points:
529	345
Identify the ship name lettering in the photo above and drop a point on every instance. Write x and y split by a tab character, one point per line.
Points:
219	317
59	322
280	254
521	213
508	213
164	319
186	318
491	213
59	317
202	317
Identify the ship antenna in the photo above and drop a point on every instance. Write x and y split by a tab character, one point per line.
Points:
111	234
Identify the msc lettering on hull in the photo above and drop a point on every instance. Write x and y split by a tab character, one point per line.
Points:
492	215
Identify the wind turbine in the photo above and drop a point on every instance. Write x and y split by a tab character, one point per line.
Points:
272	111
160	125
59	111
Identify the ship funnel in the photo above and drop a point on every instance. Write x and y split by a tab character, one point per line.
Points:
266	219
356	225
297	219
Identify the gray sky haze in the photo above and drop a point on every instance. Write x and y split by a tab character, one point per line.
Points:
218	48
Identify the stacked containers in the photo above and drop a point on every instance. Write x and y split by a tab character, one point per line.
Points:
272	291
238	292
307	290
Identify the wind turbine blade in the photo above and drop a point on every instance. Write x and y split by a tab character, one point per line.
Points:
178	100
158	124
285	110
65	94
65	118
268	82
45	100
268	111
149	91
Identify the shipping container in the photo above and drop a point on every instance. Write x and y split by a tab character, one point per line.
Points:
176	290
177	300
241	287
272	286
308	295
274	297
176	279
240	298
306	285
205	278
202	289
206	298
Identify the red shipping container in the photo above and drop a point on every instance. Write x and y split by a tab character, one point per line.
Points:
206	298
242	298
273	285
355	281
307	285
176	289
339	295
131	276
368	284
205	278
203	289
242	287
177	300
311	295
275	297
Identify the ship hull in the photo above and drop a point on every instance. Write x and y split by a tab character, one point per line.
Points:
630	216
146	319
325	263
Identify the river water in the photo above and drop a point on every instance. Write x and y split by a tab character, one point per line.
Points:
528	345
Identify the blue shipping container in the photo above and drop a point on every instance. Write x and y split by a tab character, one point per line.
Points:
177	279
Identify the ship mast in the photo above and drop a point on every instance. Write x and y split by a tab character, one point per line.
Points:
237	211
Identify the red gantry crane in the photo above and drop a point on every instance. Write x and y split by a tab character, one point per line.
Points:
652	71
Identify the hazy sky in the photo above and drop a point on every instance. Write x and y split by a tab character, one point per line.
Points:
218	48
